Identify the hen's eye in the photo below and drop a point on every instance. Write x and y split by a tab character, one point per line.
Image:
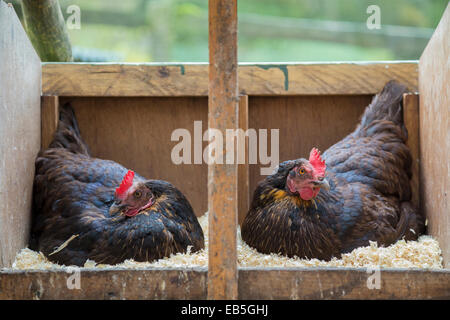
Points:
137	194
301	171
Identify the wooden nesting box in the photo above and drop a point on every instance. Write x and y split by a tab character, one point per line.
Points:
127	113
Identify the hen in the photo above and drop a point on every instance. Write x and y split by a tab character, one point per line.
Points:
359	192
88	208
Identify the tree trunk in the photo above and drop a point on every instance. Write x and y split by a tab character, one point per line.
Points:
47	30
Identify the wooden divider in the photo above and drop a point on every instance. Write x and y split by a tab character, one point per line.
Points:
243	169
434	85
222	178
411	120
49	119
20	128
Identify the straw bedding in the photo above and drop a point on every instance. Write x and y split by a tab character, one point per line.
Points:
424	253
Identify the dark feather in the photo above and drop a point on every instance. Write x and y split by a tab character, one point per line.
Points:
72	196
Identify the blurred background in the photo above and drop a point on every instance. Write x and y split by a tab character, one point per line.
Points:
269	30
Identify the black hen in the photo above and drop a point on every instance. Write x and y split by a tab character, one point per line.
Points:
364	194
88	208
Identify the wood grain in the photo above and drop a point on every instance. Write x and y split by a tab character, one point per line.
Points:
136	132
20	131
411	120
254	283
49	119
434	79
341	283
243	169
324	79
105	284
223	111
83	79
121	80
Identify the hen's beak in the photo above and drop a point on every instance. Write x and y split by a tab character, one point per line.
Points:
116	208
323	184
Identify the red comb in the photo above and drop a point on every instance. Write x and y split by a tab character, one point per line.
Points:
126	183
316	161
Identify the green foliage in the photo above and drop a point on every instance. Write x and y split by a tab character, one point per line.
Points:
177	30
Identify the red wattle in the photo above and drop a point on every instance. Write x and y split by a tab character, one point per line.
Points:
132	212
307	193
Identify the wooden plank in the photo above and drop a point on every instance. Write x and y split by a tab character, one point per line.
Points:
222	178
104	284
136	132
79	79
20	130
49	119
254	283
304	122
243	169
87	79
324	79
345	283
434	79
411	120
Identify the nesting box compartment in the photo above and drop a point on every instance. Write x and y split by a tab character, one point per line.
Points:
127	113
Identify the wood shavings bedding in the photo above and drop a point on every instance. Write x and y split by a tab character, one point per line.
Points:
424	253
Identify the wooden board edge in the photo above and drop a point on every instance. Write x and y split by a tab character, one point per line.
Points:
346	283
135	80
243	169
79	284
49	119
411	121
254	284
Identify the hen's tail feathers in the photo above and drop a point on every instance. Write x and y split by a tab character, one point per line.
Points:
67	134
411	224
387	105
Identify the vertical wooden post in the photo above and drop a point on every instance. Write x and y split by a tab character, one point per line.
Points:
20	97
411	120
434	77
49	119
243	173
222	178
